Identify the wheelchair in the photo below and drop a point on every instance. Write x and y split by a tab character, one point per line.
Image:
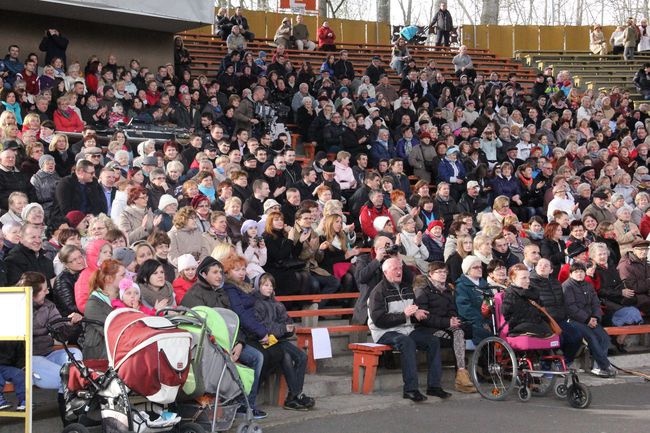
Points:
502	364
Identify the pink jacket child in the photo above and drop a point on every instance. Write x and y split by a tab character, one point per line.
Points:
96	252
130	298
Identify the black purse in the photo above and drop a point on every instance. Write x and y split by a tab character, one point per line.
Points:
291	265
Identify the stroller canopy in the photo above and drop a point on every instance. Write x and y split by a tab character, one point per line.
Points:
150	354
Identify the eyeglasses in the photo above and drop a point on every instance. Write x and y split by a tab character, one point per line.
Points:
441	271
94	155
204	205
476	267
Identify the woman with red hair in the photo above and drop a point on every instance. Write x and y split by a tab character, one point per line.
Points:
136	220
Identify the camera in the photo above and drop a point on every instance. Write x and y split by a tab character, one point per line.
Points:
392	250
259	239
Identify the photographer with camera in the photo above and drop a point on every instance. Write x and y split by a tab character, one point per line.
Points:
367	274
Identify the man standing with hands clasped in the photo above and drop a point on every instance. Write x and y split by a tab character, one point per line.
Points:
392	315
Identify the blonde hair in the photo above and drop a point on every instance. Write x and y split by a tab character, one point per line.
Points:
29	117
330	234
501	202
459	243
333	207
183	215
55	139
3	118
222	250
102	217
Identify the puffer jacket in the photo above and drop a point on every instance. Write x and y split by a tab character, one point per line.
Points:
611	286
63	292
440	304
45	186
550	295
42	340
636	276
130	222
94	346
521	315
272	315
581	301
508	187
187	241
243	303
82	286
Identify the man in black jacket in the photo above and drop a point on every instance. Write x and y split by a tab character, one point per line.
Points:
80	191
11	179
343	69
392	317
443	24
333	134
374	70
471	201
29	255
372	181
642	80
253	207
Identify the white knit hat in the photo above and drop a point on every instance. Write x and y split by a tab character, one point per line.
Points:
468	262
166	200
28	208
380	222
186	261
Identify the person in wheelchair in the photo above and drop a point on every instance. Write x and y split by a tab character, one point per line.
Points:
584	312
522	316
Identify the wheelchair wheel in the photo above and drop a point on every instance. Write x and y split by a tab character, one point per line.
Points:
561	389
192	427
579	396
524	393
494	368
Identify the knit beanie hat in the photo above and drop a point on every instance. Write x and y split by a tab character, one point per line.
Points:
166	200
380	222
125	284
43	159
248	224
468	262
187	261
28	208
75	217
124	255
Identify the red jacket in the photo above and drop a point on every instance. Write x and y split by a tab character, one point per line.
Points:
324	38
367	216
565	274
152	98
644	226
181	286
70	124
92	82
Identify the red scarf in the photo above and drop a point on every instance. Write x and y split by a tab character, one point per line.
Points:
528	182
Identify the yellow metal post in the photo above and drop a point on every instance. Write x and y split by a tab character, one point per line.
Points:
27	338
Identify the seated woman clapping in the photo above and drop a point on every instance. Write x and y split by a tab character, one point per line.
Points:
522	316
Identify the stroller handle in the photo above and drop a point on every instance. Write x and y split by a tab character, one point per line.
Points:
51	325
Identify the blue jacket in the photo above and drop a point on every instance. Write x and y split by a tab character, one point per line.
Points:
379	152
469	298
446	170
244	305
509	188
401	151
436	252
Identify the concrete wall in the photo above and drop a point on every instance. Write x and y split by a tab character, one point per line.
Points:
26	30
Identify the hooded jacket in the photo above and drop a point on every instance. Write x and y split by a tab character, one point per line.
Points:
242	302
82	286
202	293
272	315
45	186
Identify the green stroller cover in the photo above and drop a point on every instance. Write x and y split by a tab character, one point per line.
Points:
222	326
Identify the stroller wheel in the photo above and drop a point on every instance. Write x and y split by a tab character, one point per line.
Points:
249	428
192	427
76	428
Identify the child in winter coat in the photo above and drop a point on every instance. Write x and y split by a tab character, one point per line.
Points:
253	249
187	265
273	315
130	298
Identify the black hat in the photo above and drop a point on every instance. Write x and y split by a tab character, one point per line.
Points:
149	160
11	144
266	165
640	243
584	169
601	195
249	156
211	148
328	167
510	148
320	155
575	249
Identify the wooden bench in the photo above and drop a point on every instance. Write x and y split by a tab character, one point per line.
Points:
305	341
364	365
628	330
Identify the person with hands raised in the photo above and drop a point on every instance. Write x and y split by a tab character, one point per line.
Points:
393	315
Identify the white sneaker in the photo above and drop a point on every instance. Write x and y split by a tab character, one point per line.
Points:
600	372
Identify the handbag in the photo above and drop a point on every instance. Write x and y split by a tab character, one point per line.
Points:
551	321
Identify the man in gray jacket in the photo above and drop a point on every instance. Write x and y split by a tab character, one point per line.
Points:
301	36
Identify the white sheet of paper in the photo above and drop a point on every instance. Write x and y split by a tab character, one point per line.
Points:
12	314
322	346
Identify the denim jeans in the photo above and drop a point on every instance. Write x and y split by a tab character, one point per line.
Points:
294	365
254	359
421	339
627	316
46	369
570	340
16	376
324	284
598	342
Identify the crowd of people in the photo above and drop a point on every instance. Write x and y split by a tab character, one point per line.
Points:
505	175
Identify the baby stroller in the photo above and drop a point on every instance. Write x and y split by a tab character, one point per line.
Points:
138	346
502	363
216	387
